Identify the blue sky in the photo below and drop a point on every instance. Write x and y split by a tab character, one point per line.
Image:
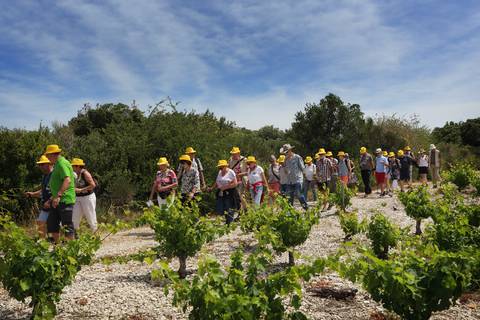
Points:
254	62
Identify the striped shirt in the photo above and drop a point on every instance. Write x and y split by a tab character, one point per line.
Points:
324	170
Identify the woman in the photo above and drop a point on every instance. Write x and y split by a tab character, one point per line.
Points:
273	178
394	170
86	199
423	167
165	182
256	180
283	173
387	174
405	162
225	185
309	181
352	177
344	168
190	180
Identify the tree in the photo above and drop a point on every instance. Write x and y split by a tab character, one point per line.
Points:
331	124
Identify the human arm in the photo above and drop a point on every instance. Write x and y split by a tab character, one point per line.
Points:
33	194
55	200
90	183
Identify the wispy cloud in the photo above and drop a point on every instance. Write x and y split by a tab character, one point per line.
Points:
240	58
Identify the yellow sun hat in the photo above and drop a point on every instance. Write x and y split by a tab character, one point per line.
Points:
53	148
363	150
162	161
407	148
185	157
308	159
77	162
400	153
190	150
251	159
341	154
317	156
281	158
385	153
329	154
391	154
321	151
222	163
43	160
235	150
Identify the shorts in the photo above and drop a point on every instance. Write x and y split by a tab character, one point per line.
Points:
62	214
380	177
43	215
405	176
422	170
274	188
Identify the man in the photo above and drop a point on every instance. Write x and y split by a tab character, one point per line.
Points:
434	159
196	164
408	152
238	164
44	194
62	186
324	173
309	181
366	167
381	164
86	199
294	166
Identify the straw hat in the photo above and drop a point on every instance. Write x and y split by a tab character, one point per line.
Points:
286	147
43	160
235	150
185	157
53	148
222	163
162	161
77	162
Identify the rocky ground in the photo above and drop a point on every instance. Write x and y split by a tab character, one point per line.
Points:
125	291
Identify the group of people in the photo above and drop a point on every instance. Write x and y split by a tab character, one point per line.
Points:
66	195
67	192
397	169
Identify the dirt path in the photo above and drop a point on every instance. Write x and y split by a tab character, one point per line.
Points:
124	291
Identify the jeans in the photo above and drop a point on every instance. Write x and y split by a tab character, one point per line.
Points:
366	180
310	184
295	190
226	205
257	196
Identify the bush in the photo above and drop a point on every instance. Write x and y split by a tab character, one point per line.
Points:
239	292
350	224
342	196
382	234
416	281
287	228
417	205
29	268
181	231
460	174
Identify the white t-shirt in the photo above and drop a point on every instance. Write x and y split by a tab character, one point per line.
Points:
225	180
255	175
423	161
310	171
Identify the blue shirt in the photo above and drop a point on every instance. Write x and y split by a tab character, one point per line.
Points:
380	164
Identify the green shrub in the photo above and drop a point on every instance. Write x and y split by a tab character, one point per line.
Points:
30	268
181	231
415	281
342	196
350	224
241	291
460	174
287	228
417	205
382	234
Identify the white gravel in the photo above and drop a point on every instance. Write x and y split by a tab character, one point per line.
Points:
125	291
